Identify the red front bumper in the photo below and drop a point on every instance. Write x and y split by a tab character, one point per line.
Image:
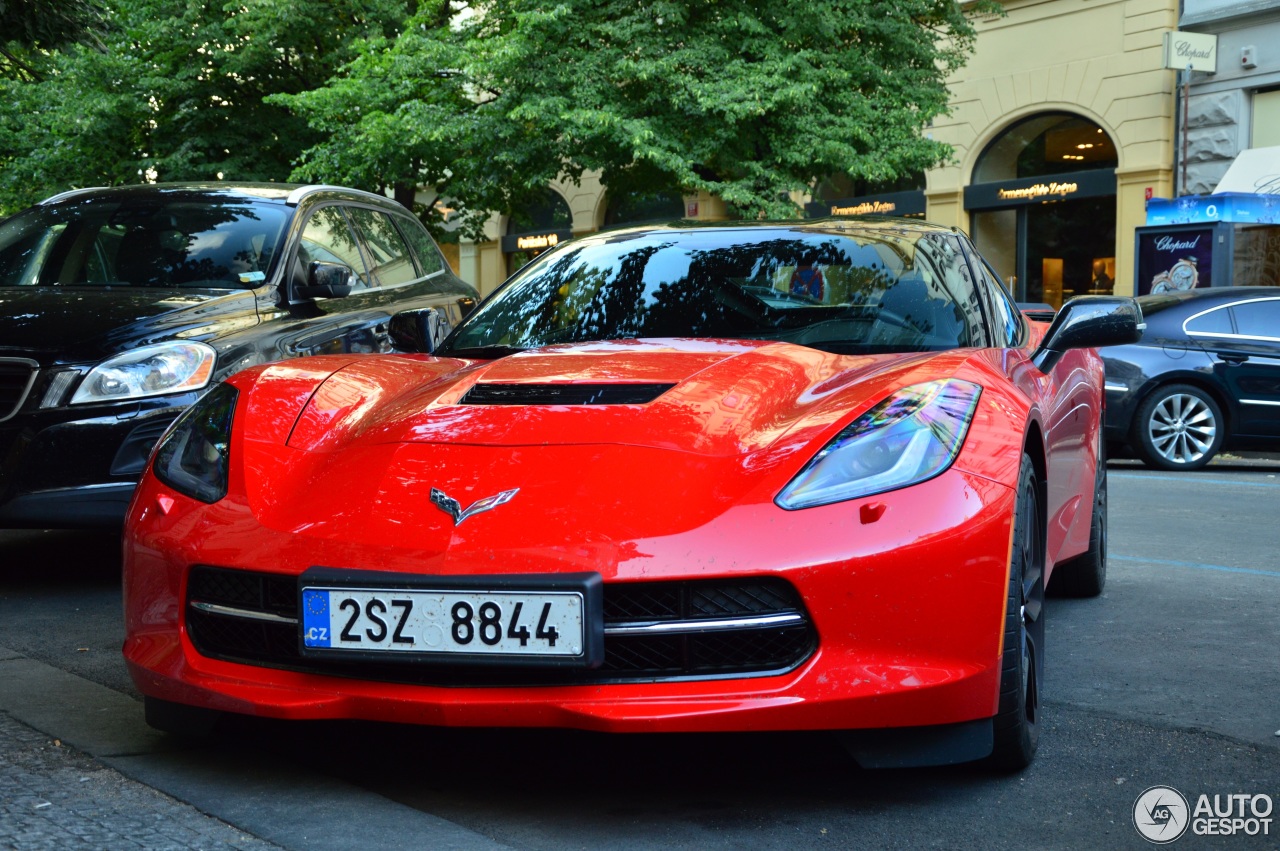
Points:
905	591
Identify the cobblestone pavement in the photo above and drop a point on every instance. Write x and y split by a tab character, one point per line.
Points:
54	797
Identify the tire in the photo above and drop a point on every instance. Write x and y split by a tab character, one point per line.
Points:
1086	574
179	719
1016	727
1178	427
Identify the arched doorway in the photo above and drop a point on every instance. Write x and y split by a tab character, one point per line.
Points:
840	195
541	224
635	208
1042	206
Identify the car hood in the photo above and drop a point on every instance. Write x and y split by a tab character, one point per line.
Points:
706	397
381	434
85	323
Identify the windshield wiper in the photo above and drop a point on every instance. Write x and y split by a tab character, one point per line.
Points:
480	352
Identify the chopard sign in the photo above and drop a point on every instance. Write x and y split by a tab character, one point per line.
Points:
1168	243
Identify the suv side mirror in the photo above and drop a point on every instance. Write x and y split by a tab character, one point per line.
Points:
1089	322
420	330
327	280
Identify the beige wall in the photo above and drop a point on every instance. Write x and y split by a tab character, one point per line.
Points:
1100	59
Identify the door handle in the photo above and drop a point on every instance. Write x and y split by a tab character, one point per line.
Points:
1233	359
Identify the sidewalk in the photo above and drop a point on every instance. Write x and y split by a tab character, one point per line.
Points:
79	768
55	797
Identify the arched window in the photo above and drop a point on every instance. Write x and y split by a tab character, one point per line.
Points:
1046	144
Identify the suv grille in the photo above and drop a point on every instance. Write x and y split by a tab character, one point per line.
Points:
251	617
16	377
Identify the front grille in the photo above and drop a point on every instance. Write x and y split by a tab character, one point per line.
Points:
564	394
256	632
16	377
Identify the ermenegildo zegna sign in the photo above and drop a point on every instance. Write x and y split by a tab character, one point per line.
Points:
1039	190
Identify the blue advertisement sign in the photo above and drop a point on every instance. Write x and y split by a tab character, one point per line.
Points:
1236	207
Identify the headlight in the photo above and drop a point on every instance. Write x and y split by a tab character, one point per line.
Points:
195	456
148	371
912	436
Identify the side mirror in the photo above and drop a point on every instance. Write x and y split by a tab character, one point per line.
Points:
1089	322
327	280
466	304
420	330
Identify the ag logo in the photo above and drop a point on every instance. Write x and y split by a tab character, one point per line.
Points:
1161	814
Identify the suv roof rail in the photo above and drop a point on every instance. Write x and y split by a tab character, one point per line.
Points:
70	193
301	192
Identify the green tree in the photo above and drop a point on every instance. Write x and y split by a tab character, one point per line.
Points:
177	90
747	99
31	28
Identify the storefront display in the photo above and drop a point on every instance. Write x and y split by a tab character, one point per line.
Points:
1227	239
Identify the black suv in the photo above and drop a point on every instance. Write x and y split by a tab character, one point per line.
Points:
119	307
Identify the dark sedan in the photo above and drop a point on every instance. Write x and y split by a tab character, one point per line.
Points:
1204	377
119	307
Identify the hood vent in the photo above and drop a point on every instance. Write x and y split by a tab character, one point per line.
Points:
564	394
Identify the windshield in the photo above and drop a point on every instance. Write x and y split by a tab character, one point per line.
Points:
845	291
209	242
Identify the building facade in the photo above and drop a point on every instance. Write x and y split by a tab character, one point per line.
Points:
1238	108
1063	126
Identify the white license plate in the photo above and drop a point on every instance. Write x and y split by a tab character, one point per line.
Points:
506	623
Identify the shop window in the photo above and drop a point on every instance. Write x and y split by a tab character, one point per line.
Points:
1266	118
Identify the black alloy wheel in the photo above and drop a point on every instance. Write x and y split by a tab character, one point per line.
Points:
1017	721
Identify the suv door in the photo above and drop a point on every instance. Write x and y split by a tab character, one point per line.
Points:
388	277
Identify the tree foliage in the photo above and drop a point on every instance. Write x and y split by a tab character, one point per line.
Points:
750	100
487	101
32	27
177	90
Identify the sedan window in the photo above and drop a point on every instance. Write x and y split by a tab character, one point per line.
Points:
1260	319
1216	323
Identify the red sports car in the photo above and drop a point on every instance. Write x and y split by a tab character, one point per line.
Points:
764	476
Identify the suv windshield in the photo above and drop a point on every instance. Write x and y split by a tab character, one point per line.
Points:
210	242
845	291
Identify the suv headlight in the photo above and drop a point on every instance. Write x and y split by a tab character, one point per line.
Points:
148	371
912	436
194	457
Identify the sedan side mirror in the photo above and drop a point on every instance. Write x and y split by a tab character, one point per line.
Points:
1089	322
420	330
327	280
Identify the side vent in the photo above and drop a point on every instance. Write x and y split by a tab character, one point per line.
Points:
564	394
